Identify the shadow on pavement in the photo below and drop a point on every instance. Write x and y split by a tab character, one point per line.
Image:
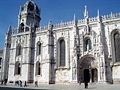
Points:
91	88
10	88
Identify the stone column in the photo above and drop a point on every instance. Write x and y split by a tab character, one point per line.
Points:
90	75
74	69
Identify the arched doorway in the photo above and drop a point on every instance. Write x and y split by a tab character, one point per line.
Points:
86	75
87	69
94	74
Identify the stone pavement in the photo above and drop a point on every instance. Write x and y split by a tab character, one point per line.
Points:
69	86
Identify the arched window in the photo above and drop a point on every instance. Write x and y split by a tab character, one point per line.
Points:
117	46
18	50
62	53
21	27
38	48
38	69
26	29
87	44
17	68
30	6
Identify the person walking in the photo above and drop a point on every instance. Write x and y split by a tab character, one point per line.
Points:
25	85
86	84
36	84
20	83
5	82
2	82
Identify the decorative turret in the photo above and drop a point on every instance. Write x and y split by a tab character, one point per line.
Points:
50	26
75	21
6	56
86	17
98	16
86	12
29	15
9	30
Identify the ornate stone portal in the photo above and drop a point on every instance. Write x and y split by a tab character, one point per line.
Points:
87	69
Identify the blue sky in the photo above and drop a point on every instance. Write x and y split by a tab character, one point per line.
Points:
54	10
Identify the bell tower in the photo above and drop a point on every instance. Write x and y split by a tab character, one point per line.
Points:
29	15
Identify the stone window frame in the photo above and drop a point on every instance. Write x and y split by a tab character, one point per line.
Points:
84	43
58	53
17	68
30	6
39	48
21	27
38	69
113	45
18	50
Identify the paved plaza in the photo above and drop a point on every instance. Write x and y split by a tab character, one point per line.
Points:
66	87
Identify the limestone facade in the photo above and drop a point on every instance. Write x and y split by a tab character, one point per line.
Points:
1	64
68	52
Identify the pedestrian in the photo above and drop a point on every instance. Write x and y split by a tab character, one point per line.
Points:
5	82
25	85
86	84
16	83
79	83
36	84
2	82
20	83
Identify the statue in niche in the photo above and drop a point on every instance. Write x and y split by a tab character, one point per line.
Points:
74	71
102	73
74	74
74	63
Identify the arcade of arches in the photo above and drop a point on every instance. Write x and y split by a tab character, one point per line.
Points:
87	69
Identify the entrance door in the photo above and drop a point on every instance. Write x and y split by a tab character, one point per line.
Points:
86	75
94	75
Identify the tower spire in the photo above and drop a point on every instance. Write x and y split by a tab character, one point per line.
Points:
9	29
86	12
9	32
74	17
98	15
111	14
75	21
50	25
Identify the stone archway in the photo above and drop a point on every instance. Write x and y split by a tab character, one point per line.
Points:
87	69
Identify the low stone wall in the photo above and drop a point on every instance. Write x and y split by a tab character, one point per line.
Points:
116	74
62	76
